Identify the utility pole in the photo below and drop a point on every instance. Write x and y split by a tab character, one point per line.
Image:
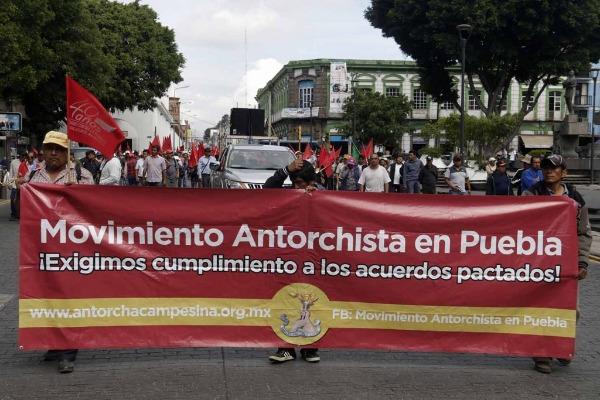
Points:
464	31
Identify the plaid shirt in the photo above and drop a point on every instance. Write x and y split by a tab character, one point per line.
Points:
41	176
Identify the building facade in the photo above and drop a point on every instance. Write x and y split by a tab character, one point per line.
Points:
304	100
140	127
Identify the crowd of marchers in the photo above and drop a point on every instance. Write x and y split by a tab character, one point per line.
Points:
538	177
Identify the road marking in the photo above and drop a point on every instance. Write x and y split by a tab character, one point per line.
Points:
2	202
5	298
595	258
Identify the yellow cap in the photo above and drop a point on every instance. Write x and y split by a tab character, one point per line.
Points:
58	138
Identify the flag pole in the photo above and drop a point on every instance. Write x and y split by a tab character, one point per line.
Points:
69	178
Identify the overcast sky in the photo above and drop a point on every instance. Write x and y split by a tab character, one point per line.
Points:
210	34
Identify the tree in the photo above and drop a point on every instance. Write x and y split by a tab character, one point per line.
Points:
534	42
488	134
142	52
118	51
376	116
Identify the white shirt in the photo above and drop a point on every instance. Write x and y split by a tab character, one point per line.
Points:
204	165
111	172
374	180
397	175
139	167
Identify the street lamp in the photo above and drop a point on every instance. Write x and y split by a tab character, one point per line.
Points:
180	87
354	83
594	73
464	31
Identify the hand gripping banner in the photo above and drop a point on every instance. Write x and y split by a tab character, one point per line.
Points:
116	267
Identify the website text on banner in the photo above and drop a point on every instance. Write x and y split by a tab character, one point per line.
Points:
273	268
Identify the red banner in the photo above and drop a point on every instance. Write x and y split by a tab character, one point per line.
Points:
116	267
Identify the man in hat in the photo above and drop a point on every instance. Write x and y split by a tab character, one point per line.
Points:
205	165
154	168
428	176
554	169
457	177
57	171
498	183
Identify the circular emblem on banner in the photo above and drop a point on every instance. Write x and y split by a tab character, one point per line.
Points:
299	309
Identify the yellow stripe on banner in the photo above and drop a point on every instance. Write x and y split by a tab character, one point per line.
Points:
60	313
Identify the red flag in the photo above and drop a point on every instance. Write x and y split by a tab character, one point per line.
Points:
326	161
167	146
23	169
88	121
368	150
308	152
338	152
155	142
193	162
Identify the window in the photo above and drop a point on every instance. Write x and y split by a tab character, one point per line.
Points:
554	99
419	99
447	105
523	95
473	105
306	93
392	92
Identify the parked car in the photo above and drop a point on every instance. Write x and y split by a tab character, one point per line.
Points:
248	166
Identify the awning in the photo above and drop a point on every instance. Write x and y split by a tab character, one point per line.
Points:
537	141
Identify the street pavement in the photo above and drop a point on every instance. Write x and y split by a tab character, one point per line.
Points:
223	373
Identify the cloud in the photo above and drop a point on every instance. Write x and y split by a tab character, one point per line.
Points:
223	23
257	77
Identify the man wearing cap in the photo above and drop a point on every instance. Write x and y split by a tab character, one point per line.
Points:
350	176
532	175
491	166
428	177
57	171
154	168
498	183
457	177
205	164
554	169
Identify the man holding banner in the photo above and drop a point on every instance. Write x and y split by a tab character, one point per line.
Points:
56	171
554	170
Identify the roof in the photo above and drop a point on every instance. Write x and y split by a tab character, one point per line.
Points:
259	146
537	141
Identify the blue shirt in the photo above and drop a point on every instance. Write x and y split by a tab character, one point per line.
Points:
530	177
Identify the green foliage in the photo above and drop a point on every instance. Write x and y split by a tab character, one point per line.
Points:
118	51
487	134
539	152
376	116
530	41
431	151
